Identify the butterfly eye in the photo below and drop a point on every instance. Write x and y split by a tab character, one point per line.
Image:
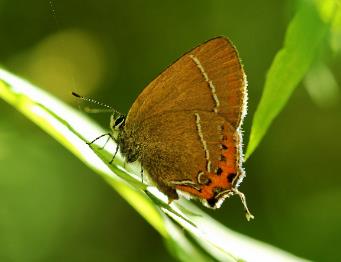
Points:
119	122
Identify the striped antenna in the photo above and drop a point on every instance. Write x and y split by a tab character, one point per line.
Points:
94	102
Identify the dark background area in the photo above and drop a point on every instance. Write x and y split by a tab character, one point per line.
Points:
53	208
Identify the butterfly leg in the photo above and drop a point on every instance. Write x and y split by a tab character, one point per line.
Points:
141	174
113	157
93	141
106	142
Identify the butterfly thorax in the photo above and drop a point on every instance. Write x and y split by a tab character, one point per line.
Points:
128	146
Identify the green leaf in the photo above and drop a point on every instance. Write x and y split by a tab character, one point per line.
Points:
190	234
330	12
304	37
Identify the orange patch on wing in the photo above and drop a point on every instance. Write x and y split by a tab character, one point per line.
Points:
228	171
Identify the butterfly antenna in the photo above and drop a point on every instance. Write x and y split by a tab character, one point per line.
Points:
94	102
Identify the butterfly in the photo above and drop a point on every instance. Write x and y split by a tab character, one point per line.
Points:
185	126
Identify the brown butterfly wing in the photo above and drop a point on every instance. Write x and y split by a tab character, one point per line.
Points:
185	123
183	87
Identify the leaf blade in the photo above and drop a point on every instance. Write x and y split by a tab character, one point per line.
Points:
303	39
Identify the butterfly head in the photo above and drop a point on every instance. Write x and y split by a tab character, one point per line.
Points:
117	121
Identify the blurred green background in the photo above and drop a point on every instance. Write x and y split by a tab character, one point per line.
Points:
53	208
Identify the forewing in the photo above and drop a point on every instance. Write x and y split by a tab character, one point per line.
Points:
208	78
